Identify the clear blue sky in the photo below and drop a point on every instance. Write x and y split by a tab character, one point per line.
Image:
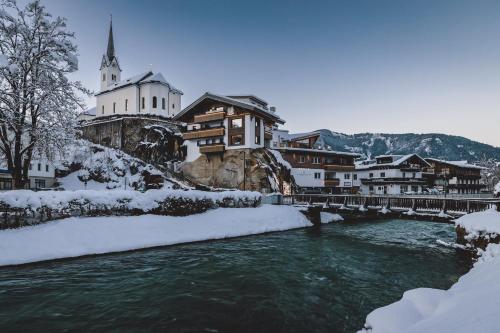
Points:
349	66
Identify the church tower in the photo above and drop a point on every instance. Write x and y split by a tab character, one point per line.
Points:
110	69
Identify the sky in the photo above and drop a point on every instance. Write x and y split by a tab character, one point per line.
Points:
349	66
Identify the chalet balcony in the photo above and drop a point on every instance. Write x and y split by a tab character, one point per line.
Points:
268	135
332	182
338	167
203	133
216	148
207	117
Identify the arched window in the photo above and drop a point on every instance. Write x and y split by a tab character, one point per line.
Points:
104	76
126	104
114	107
163	103
143	103
154	102
103	109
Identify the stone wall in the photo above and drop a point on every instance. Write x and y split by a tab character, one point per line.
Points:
155	140
228	170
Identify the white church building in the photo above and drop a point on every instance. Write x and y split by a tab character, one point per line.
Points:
146	93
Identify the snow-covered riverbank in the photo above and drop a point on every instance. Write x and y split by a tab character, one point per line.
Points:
73	237
470	305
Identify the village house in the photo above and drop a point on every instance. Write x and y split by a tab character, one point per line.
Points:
314	168
454	177
391	174
41	175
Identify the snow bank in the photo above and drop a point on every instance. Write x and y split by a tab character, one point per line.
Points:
279	158
481	223
75	237
327	217
470	305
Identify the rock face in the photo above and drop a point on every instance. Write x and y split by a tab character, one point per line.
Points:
260	172
153	139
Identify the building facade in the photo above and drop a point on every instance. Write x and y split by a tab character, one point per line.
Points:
41	175
454	177
391	175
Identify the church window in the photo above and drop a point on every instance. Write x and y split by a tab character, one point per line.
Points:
103	109
173	105
126	105
104	76
154	102
163	103
113	77
114	107
143	102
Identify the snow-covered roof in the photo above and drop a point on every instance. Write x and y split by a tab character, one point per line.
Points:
231	101
249	96
324	151
89	112
299	136
147	77
460	164
396	161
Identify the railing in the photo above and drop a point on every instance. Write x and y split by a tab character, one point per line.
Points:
203	118
216	148
338	167
203	133
397	202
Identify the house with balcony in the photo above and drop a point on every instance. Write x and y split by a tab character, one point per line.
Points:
391	174
217	123
315	169
41	175
454	177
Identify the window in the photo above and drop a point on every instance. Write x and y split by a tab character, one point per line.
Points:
5	184
355	176
114	107
347	176
316	160
113	77
126	105
103	109
39	183
382	174
370	175
317	175
163	103
236	123
173	105
31	166
302	159
403	188
104	76
46	168
236	140
370	188
143	102
404	174
154	102
39	166
257	131
414	174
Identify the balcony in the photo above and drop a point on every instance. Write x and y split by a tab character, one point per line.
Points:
332	182
268	135
203	133
218	148
338	167
207	117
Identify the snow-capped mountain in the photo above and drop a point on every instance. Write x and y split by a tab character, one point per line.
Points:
436	145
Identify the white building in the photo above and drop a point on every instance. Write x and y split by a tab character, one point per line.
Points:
145	93
391	174
217	123
41	174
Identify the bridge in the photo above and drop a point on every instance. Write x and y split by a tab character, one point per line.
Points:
418	204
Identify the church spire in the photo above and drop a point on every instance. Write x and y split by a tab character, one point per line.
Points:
111	45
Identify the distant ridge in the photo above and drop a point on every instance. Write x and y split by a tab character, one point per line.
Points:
436	145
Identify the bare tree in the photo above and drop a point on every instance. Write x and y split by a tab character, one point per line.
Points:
38	103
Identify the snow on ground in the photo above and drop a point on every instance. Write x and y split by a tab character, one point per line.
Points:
277	155
327	217
73	237
470	305
487	222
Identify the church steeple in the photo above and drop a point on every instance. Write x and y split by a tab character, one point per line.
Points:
111	45
110	69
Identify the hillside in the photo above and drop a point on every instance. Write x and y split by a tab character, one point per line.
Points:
427	145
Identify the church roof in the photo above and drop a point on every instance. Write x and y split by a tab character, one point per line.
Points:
111	45
147	77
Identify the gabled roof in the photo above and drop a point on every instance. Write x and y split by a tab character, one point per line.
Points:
397	160
147	77
460	164
322	151
231	101
89	112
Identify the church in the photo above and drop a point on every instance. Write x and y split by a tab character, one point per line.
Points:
136	114
145	93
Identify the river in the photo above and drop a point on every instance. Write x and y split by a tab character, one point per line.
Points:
305	280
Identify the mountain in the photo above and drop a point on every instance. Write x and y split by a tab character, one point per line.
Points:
436	145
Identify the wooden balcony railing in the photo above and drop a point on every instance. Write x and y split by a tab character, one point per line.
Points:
203	118
338	167
332	182
219	148
203	133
